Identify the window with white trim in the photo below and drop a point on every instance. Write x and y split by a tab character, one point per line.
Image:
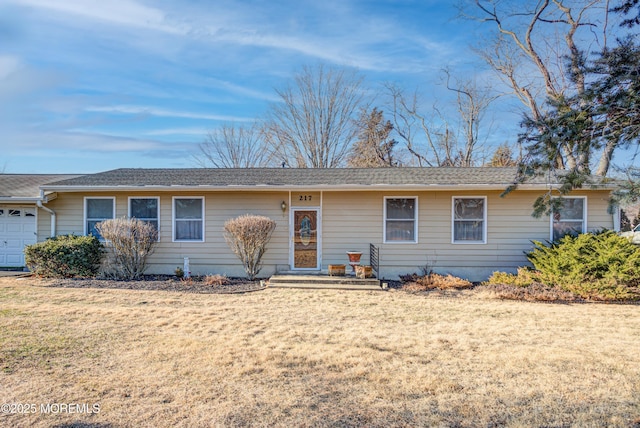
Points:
97	210
188	219
400	219
145	209
469	220
570	217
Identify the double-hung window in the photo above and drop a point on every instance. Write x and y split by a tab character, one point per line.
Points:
97	209
400	219
569	217
145	209
469	220
188	219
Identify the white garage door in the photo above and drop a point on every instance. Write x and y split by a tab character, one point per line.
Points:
17	229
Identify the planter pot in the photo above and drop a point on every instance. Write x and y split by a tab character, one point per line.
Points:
354	259
336	270
363	272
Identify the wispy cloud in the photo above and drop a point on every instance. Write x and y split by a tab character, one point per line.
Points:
119	12
339	34
9	64
154	111
178	131
148	78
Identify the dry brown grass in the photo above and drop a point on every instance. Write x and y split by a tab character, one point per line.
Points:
285	357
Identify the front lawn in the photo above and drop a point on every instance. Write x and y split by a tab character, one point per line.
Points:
284	357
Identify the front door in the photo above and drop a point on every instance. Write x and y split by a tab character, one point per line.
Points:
305	240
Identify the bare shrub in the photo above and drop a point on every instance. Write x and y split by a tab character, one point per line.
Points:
433	281
129	243
248	236
216	280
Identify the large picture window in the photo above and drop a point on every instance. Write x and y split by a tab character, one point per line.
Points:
569	218
145	209
95	211
400	219
469	220
188	219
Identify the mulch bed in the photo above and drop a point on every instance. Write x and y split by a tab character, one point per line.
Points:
160	282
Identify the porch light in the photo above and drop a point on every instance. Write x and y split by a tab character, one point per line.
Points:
283	205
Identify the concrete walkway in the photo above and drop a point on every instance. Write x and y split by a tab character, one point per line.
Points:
4	273
323	282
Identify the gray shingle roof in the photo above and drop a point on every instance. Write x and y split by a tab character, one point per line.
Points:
22	186
293	177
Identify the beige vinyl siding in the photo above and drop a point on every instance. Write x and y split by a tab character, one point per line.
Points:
351	220
211	256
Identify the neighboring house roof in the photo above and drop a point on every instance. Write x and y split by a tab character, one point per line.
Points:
20	188
291	178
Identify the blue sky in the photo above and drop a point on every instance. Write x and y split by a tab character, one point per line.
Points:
87	86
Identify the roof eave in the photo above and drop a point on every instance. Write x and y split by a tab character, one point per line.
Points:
18	200
317	187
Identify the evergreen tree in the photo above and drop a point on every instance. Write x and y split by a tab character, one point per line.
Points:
374	146
605	115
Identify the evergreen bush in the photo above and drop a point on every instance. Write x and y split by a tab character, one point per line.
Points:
524	278
65	256
598	266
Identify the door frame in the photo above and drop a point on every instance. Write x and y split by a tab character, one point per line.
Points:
292	226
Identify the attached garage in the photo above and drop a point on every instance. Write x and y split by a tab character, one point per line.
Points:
17	229
20	196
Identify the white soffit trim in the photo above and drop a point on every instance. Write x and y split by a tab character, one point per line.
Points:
284	188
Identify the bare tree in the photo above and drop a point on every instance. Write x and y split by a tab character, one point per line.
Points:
313	125
234	146
532	44
442	137
410	126
374	145
472	102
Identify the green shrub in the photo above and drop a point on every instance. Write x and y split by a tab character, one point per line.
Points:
598	266
65	256
179	272
524	278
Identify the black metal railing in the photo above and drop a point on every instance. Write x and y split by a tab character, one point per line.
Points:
374	259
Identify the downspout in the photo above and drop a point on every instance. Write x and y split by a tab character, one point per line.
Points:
50	211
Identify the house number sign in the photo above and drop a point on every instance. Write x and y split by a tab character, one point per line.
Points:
305	199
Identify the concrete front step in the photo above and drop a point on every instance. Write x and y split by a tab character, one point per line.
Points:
320	281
